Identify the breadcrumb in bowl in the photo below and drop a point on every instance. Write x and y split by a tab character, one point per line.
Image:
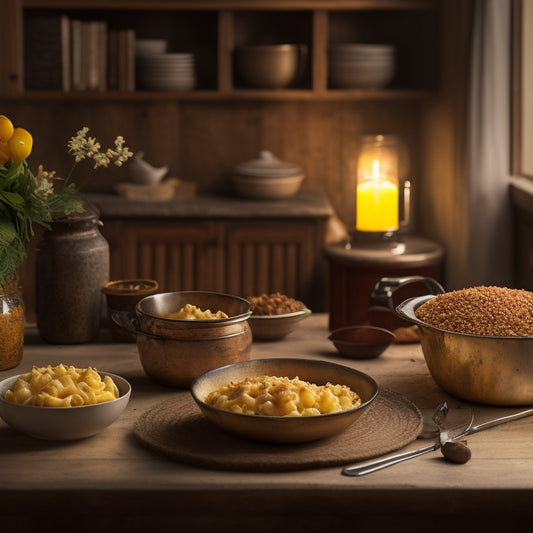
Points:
276	327
478	345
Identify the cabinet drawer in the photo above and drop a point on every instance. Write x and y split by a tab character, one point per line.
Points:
284	256
179	256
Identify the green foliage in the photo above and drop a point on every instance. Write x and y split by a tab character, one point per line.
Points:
65	201
26	199
21	206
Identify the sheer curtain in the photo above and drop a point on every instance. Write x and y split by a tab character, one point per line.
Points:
490	250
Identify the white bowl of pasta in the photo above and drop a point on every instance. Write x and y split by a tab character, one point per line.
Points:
318	399
54	419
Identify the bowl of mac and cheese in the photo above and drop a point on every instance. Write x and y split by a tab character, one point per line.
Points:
284	400
62	402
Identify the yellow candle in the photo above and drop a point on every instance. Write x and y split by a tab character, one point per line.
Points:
377	206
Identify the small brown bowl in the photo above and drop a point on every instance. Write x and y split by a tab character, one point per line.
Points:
123	295
361	342
276	327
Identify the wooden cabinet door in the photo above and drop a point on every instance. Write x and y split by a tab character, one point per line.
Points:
180	256
270	256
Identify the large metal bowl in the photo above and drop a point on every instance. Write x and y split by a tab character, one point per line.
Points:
477	368
285	429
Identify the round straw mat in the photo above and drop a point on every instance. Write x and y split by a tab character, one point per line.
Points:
177	428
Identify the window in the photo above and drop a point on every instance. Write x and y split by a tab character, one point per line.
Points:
522	143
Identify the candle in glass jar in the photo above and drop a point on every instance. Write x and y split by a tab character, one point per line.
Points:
376	203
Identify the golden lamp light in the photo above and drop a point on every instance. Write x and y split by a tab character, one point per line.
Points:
378	188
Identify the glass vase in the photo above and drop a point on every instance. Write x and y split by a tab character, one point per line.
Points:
11	324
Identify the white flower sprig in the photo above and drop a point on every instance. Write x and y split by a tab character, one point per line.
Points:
83	147
44	185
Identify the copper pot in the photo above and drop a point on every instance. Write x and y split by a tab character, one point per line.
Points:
174	352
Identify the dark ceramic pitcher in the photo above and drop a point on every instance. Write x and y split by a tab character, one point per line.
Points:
72	265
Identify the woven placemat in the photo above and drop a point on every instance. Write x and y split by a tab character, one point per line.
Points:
177	428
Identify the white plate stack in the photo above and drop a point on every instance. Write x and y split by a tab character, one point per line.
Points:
158	70
361	66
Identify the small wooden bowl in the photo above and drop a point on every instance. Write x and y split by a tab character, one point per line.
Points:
361	342
276	327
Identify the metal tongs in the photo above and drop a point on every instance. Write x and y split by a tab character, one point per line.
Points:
446	440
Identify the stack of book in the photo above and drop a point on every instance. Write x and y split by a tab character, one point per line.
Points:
67	54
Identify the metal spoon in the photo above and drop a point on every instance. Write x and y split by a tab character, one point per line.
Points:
379	464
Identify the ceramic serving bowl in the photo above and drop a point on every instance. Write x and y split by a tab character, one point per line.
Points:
280	429
361	342
175	351
365	66
266	177
63	423
485	369
276	327
257	188
270	66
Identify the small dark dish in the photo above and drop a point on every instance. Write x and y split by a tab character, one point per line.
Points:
124	295
283	429
361	342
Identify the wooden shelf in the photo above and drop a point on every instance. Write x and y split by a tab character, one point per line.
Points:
230	23
257	5
238	94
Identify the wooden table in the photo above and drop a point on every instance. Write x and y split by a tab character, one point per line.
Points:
111	483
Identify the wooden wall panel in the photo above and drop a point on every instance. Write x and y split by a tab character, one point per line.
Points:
179	257
273	257
203	141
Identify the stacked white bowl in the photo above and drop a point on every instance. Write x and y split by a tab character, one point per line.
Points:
158	70
361	66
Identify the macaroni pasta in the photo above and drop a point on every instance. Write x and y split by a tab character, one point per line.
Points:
191	312
62	386
281	396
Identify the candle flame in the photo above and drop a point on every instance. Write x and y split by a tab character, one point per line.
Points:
375	170
375	178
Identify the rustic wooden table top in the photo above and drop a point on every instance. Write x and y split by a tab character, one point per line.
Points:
112	479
